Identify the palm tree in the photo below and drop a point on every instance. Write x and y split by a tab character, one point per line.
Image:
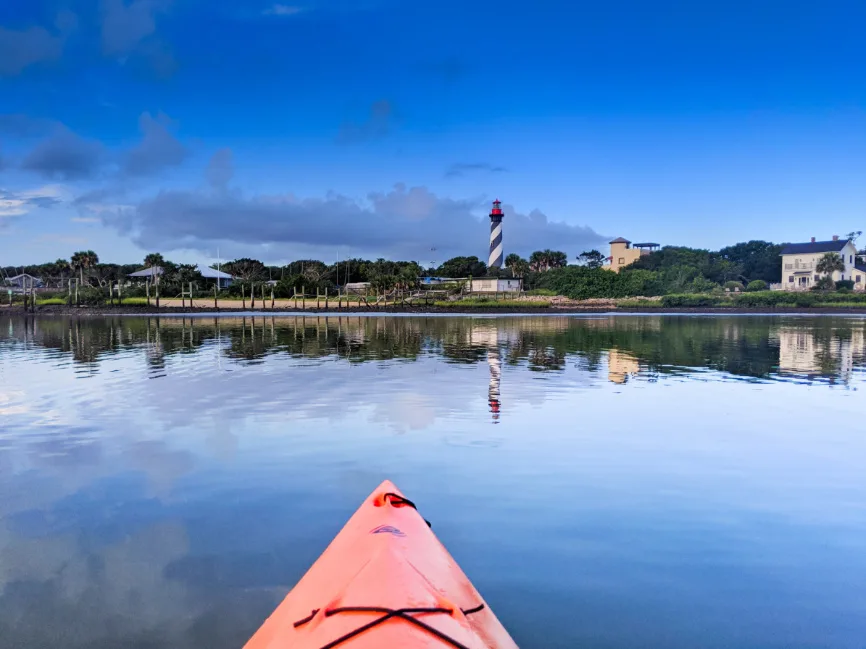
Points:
82	260
153	259
829	263
520	268
547	259
62	267
407	277
538	261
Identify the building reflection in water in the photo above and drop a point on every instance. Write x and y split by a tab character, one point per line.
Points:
810	353
621	366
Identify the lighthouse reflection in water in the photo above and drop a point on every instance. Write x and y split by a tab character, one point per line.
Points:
489	337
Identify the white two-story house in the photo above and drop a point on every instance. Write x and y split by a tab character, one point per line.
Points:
799	261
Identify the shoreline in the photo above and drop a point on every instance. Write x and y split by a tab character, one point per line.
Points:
57	310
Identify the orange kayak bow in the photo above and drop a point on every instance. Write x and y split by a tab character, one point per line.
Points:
385	581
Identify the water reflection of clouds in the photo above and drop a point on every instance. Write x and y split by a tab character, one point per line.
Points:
175	511
283	383
60	590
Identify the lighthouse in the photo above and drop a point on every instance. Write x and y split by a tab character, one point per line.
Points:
495	259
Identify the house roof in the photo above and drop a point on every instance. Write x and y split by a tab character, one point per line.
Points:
817	246
620	240
147	272
23	275
860	267
212	273
645	245
206	272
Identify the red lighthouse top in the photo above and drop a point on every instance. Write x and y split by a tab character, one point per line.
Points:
496	207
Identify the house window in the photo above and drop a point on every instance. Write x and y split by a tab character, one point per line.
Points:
622	260
850	259
791	278
817	278
859	277
843	277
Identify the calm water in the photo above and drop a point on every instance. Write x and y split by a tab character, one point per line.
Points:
614	482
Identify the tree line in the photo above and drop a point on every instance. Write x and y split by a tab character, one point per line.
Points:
670	270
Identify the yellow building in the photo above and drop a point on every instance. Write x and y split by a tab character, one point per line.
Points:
623	252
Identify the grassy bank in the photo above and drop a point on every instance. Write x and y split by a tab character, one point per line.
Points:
756	300
485	303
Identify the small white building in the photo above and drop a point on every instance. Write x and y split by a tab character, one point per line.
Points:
357	288
151	273
799	261
495	285
24	280
223	280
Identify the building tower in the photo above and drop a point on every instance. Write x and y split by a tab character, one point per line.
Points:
495	259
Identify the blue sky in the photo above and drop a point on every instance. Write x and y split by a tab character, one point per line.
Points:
335	128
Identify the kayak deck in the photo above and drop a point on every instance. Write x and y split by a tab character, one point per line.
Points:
384	581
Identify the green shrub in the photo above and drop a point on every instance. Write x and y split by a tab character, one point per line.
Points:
757	285
136	290
582	283
826	283
798	299
91	296
49	301
546	292
701	284
846	284
693	300
640	304
735	286
765	298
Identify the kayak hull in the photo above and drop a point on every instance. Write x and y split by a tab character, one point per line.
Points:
384	581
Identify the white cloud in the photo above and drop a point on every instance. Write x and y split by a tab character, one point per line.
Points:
19	203
85	219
